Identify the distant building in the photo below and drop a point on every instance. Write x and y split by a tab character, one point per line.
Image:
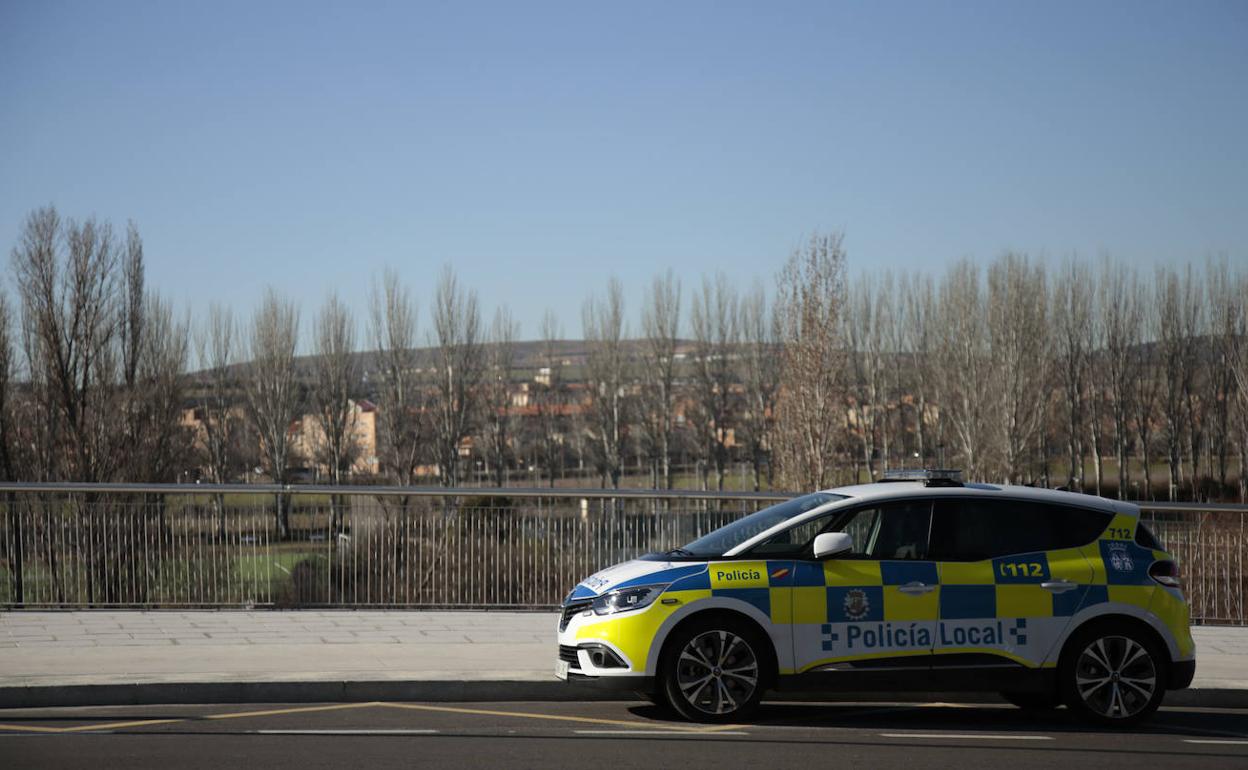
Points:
309	442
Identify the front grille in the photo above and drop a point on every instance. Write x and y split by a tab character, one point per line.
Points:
568	654
571	609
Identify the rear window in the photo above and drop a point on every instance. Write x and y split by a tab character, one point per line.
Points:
980	528
1145	538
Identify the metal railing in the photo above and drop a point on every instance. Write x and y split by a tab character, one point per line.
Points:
1211	546
113	545
166	545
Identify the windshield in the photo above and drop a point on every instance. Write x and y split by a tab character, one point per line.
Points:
726	538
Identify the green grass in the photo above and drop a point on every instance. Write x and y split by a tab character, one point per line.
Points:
236	579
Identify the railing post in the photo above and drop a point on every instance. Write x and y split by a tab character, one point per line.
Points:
17	548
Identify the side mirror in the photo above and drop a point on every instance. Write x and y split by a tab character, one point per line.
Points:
831	544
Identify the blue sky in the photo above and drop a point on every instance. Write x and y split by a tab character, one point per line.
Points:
541	147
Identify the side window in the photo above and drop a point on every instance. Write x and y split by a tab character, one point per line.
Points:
890	531
1146	539
978	529
902	531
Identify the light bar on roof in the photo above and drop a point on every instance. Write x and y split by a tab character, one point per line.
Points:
926	475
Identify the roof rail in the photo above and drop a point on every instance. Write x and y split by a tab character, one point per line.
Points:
931	477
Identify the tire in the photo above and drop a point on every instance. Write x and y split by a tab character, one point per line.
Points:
715	670
1113	675
1033	701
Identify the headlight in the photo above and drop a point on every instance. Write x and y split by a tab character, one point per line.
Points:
626	599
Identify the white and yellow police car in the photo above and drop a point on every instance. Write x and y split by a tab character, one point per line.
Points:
921	584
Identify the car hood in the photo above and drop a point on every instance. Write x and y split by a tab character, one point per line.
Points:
638	572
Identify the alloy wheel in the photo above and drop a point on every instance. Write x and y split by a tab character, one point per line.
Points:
717	672
1115	677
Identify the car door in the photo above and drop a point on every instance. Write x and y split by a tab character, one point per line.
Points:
876	605
1011	577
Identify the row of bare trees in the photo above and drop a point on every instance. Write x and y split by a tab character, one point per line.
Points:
1093	376
93	362
1098	377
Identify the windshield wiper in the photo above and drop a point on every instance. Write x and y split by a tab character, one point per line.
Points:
679	552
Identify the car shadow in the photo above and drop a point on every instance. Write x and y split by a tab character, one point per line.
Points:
969	717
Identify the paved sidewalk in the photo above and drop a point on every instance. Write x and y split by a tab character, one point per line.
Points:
89	657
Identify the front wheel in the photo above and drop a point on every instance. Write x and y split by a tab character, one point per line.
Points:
1113	677
714	670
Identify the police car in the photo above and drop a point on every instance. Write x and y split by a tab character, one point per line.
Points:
919	584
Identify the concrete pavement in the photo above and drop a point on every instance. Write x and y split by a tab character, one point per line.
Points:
59	658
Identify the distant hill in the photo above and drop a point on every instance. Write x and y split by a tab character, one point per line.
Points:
530	356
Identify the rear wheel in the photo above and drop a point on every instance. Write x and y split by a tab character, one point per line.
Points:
714	670
1113	676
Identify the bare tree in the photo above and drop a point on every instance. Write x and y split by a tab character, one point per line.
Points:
272	393
760	362
1195	382
1226	312
660	323
161	445
217	343
148	391
1146	387
106	361
1121	321
862	326
336	384
1018	318
810	296
403	424
968	392
604	330
499	416
69	324
459	366
1238	359
893	336
919	340
1176	319
9	439
551	425
1072	319
716	337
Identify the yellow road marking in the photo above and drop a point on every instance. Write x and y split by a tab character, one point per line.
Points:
117	725
719	728
296	710
552	717
146	722
32	728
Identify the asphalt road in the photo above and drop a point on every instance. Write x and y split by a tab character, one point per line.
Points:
603	734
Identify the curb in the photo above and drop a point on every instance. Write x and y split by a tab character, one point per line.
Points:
161	693
152	693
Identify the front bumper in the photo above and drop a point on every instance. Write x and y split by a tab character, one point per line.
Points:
610	648
614	683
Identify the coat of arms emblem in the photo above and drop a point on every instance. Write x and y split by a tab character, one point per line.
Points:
1120	560
856	604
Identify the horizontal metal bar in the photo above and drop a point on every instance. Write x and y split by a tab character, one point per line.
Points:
321	489
594	493
1153	505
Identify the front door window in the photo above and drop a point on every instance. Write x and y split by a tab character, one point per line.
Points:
878	602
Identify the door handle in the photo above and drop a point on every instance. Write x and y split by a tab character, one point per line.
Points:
1059	586
915	588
